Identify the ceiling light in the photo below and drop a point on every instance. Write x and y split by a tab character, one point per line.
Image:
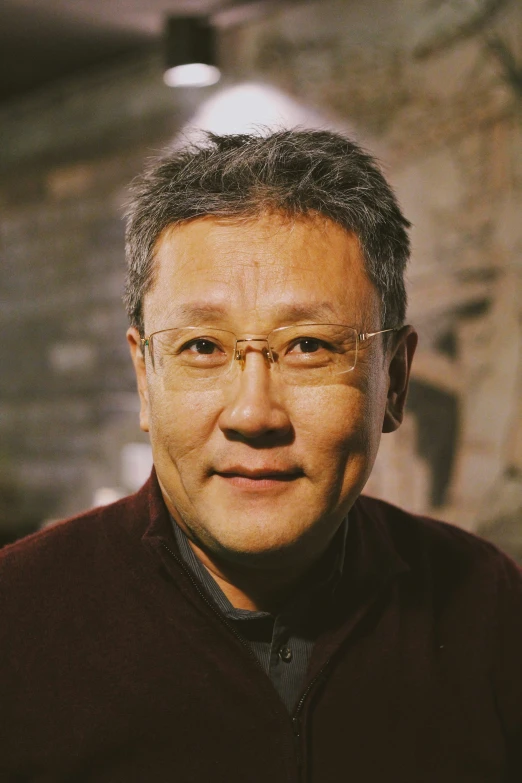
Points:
254	108
190	50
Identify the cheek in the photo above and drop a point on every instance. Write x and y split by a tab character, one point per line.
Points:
181	423
340	425
331	422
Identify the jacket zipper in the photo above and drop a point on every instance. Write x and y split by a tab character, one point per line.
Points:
296	725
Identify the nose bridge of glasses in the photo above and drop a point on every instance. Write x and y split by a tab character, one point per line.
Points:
244	344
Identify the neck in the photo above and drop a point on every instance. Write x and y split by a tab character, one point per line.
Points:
264	589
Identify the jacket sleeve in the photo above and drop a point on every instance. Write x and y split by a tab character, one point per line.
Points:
507	664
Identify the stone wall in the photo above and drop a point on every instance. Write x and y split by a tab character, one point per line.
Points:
426	86
68	398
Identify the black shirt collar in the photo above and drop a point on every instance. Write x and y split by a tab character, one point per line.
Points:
325	577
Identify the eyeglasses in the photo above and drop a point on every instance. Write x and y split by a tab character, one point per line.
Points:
307	354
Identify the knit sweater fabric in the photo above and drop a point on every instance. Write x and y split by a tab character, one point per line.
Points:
118	668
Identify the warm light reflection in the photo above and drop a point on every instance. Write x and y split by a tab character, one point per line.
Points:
249	107
192	75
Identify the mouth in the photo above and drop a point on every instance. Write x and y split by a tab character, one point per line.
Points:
261	478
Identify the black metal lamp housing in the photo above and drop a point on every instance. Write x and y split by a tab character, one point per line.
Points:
190	52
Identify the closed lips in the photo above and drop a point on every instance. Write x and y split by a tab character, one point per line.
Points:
275	475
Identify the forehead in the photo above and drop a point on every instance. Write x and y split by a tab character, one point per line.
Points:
266	269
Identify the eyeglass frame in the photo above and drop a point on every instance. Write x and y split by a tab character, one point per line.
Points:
240	355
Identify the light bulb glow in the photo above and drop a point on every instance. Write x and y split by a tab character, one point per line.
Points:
251	107
192	75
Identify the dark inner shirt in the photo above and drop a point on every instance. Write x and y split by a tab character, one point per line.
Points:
282	643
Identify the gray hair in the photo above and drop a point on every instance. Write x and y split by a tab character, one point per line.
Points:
296	172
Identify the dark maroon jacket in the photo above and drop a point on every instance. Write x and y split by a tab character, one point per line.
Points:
115	667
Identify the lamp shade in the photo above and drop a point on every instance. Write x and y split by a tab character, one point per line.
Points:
190	52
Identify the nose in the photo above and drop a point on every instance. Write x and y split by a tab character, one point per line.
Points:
253	407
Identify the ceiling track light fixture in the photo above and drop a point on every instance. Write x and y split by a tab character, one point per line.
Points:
190	52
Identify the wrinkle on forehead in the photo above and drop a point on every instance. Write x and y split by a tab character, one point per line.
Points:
275	224
255	267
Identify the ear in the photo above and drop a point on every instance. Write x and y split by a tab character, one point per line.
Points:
402	350
138	360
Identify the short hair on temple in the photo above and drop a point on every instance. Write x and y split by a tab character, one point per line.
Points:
296	172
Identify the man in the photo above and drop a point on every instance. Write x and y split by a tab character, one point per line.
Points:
248	615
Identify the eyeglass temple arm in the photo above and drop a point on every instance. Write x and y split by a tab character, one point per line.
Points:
146	342
363	336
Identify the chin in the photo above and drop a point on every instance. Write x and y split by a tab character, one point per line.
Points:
268	538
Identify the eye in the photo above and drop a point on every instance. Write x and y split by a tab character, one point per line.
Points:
307	345
201	346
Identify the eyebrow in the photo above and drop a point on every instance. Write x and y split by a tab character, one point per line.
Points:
200	312
197	312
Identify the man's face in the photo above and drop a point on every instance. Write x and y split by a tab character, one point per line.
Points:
255	465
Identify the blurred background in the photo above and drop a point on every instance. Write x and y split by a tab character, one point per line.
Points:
432	87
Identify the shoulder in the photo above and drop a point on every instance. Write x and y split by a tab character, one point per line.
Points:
451	558
71	546
70	580
470	589
472	594
412	531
